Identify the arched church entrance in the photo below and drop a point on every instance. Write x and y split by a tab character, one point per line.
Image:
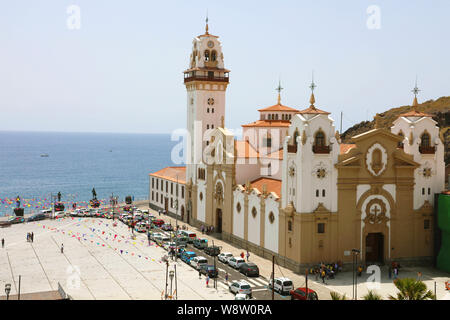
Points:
375	248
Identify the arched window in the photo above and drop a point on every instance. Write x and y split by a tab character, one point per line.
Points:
296	134
269	169
400	144
213	55
276	117
425	139
206	55
319	139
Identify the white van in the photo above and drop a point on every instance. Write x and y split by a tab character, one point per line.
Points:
282	285
196	262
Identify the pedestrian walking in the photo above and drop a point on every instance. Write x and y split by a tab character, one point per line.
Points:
323	276
419	276
360	269
62	247
3	242
32	237
226	277
199	274
248	256
207	281
242	254
395	273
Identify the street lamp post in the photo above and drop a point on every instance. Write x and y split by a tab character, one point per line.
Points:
7	290
176	222
355	253
171	275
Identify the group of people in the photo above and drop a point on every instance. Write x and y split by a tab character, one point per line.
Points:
247	255
207	230
393	270
30	237
326	271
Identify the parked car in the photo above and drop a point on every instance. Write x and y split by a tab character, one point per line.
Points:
36	217
236	262
169	245
141	227
197	262
300	294
209	270
58	214
241	296
241	286
182	240
158	222
200	243
212	251
155	234
191	235
282	285
249	269
224	256
167	227
186	256
14	219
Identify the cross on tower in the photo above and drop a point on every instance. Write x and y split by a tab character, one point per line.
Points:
416	89
313	85
279	88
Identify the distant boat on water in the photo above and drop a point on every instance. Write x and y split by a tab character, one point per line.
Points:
44	155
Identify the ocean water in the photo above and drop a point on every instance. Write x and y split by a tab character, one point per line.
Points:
77	162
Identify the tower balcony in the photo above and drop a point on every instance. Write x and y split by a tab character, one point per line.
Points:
321	149
188	77
427	149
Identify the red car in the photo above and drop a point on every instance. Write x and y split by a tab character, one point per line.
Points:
158	222
300	294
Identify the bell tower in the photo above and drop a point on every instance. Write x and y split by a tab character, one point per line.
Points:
206	81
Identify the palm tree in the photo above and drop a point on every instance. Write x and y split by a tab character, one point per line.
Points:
372	295
412	289
336	296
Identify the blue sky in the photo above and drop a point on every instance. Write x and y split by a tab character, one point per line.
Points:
122	70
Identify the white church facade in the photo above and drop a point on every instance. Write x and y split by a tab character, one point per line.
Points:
290	188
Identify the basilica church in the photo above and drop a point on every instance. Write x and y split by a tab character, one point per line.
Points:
290	188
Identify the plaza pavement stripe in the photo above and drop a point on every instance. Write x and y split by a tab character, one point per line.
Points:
221	270
185	283
40	263
81	279
11	269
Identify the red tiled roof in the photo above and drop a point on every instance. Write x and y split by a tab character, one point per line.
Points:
268	123
279	107
415	113
313	110
171	173
245	150
344	147
272	185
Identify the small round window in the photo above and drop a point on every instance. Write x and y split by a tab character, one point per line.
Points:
254	212
238	207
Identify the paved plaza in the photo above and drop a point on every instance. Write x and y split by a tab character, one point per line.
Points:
101	261
96	264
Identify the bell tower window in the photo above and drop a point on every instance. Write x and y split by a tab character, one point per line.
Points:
425	144
213	55
206	55
319	143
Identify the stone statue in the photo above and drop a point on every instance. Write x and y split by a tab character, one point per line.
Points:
94	194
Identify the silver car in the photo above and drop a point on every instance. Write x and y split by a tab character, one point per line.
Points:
242	287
